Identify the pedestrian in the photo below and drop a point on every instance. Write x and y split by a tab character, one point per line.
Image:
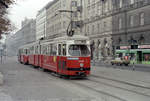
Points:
1	58
133	60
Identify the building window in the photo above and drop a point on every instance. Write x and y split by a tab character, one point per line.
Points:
88	30
93	29
120	4
75	14
120	23
89	2
142	19
131	21
105	7
98	27
132	2
74	3
105	26
64	24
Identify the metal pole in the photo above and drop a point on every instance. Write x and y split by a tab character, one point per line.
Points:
71	17
81	13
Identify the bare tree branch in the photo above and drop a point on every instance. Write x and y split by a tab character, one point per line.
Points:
5	25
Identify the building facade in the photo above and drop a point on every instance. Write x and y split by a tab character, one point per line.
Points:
117	25
131	29
23	36
29	30
41	24
59	15
13	42
98	26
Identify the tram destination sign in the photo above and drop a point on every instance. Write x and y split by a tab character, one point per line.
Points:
80	41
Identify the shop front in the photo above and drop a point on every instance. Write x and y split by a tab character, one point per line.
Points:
141	55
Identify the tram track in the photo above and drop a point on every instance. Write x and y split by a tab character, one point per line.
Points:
111	90
73	81
119	81
99	91
136	92
89	82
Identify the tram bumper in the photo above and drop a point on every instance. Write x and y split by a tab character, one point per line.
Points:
79	71
83	74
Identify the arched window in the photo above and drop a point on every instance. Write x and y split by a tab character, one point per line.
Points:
120	4
132	1
131	20
142	19
120	23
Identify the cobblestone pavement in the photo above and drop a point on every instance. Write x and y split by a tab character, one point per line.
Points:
24	83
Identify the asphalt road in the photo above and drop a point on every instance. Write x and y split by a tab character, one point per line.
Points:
25	83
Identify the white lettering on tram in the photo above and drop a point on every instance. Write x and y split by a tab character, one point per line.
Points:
73	58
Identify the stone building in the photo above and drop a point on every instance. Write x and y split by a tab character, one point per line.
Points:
13	42
98	26
29	30
23	36
112	25
41	24
59	16
131	29
117	25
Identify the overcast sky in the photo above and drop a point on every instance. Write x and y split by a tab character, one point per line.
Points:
25	8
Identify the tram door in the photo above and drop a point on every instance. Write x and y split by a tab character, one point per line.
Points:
139	54
62	58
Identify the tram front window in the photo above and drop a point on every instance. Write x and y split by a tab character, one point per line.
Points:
78	50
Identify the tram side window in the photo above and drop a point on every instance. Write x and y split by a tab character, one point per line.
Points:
44	49
59	49
47	49
51	51
54	49
32	50
26	51
64	49
36	50
21	51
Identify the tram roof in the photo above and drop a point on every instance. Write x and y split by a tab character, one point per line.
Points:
59	39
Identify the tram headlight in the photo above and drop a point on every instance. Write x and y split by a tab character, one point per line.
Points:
81	64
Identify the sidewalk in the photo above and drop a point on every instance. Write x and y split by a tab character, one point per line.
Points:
101	63
133	77
143	65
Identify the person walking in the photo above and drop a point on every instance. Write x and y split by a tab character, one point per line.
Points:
1	58
133	60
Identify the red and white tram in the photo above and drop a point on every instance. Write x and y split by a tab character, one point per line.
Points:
66	56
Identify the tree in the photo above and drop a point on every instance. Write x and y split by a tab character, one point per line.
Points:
5	25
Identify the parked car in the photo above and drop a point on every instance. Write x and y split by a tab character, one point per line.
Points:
120	62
